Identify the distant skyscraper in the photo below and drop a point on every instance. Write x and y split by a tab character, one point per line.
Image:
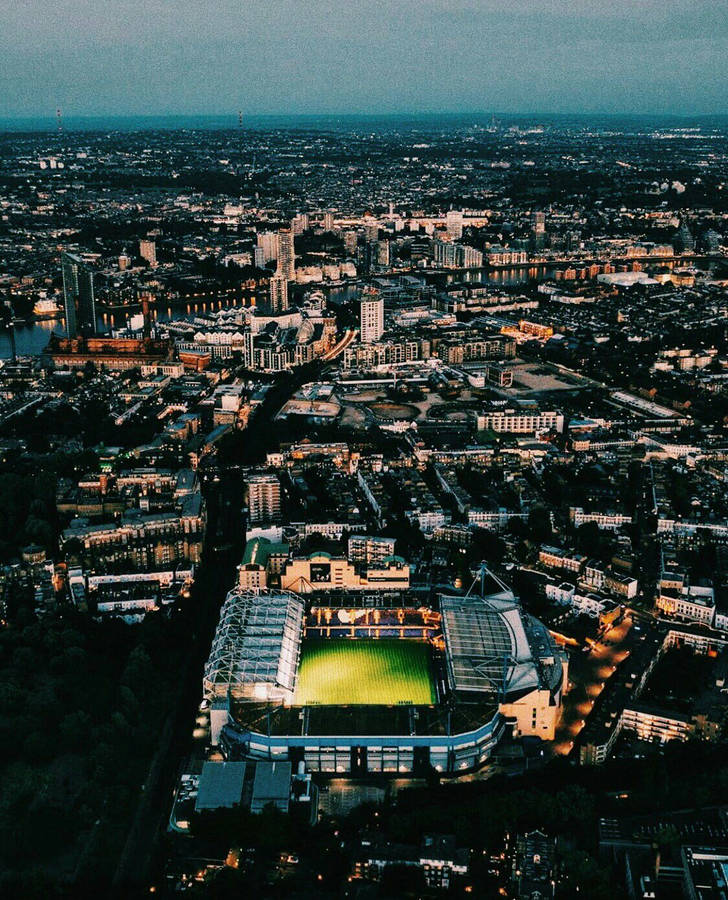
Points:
538	222
371	317
258	257
538	230
278	293
328	221
286	254
124	262
684	241
371	231
454	221
148	251
350	242
78	296
299	223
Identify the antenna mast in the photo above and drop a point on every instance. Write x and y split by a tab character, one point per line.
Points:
240	146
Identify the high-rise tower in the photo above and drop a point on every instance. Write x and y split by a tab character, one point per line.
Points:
78	296
371	316
286	255
278	294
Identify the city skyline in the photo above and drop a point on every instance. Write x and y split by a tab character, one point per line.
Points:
292	57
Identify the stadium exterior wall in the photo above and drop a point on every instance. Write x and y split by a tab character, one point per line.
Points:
369	754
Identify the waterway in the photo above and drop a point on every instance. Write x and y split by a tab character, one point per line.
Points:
32	339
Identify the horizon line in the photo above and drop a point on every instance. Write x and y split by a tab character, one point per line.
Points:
51	116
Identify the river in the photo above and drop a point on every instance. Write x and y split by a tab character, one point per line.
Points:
32	339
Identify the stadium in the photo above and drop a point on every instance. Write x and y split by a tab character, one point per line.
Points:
379	683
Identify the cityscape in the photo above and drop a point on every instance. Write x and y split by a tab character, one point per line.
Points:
364	501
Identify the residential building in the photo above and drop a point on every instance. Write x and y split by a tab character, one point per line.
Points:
264	499
371	325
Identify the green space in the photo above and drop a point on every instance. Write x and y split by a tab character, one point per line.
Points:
345	672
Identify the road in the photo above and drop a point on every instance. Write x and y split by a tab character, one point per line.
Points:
588	674
339	347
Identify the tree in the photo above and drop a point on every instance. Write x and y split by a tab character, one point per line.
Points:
539	524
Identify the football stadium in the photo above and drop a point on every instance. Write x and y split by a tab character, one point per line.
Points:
381	683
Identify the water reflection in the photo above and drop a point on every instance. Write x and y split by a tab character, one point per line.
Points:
32	339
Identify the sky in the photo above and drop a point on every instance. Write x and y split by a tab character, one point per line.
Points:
154	57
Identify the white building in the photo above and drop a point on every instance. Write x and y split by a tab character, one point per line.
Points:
691	603
513	421
371	318
605	521
264	499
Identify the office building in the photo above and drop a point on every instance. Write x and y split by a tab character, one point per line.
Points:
371	317
520	422
78	296
366	548
454	223
371	231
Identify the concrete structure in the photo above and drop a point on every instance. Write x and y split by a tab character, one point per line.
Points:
364	548
498	670
264	499
278	294
286	255
323	572
371	325
514	421
148	251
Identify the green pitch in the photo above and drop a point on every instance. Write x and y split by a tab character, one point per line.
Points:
345	672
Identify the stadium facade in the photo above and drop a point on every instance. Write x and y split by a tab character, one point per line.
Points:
491	670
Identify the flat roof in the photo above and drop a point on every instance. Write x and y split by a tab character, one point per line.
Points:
271	783
221	785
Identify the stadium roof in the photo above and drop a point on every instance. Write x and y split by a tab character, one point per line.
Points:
256	645
493	648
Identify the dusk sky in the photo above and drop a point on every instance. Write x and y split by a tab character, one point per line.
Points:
97	57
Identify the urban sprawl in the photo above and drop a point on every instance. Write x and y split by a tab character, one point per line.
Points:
364	509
